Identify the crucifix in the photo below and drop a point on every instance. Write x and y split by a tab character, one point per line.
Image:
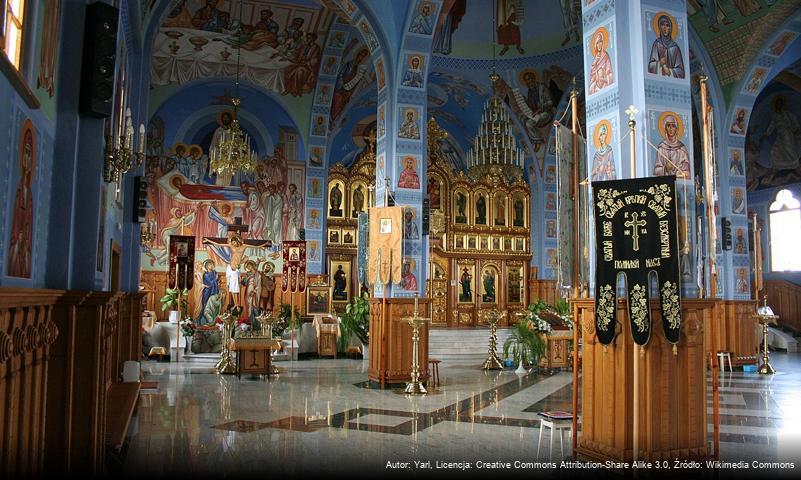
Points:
634	232
238	245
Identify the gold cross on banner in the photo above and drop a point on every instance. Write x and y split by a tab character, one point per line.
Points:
635	232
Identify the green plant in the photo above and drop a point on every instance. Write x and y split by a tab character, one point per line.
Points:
355	321
525	341
170	299
285	318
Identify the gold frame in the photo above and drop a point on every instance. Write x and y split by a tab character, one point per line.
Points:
472	242
480	192
471	266
334	262
520	268
493	240
497	269
507	244
505	197
323	288
459	241
526	214
352	232
468	206
365	202
331	230
345	198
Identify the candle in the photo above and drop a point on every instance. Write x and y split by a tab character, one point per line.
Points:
415	304
141	137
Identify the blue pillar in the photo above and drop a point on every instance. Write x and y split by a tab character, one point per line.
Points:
636	53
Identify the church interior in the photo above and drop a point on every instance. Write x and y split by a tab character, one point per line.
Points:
419	237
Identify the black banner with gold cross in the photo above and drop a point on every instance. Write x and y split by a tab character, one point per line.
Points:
636	234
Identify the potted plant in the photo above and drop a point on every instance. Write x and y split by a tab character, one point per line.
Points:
524	345
170	301
356	321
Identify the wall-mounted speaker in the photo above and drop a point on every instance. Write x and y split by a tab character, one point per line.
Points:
726	224
99	57
140	200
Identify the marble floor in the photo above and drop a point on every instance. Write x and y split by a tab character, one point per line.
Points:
317	416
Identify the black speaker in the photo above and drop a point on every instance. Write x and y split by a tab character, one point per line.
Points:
140	200
726	224
426	215
99	57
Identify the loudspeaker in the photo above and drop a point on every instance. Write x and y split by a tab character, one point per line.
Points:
140	200
426	215
99	57
726	224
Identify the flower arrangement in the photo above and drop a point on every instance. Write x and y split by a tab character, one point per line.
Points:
188	328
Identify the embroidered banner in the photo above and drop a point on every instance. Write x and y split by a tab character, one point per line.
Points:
362	249
294	273
636	234
182	262
386	237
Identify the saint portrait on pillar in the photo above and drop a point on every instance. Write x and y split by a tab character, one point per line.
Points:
410	126
666	58
601	73
672	157
413	77
603	160
408	177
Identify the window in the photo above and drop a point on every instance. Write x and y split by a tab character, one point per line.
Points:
785	229
12	30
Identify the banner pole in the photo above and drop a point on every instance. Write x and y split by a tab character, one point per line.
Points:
710	206
178	326
575	191
292	321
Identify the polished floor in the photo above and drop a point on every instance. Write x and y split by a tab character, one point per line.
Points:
317	416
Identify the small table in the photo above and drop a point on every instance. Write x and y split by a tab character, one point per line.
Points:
253	355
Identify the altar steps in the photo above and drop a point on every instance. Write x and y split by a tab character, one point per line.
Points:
463	346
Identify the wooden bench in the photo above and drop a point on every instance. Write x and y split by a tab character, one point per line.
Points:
120	404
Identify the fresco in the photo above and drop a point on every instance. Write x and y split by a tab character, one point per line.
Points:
521	28
188	198
281	44
773	141
355	75
20	244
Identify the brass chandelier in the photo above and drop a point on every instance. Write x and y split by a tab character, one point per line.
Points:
120	156
233	154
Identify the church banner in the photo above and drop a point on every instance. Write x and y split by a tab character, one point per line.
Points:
362	248
386	243
294	271
636	234
182	262
567	200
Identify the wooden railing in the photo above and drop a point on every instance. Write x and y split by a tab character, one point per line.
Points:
60	354
785	299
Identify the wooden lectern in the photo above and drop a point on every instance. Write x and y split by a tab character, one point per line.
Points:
391	341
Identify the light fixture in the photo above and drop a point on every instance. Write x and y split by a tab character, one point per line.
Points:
494	150
233	154
120	156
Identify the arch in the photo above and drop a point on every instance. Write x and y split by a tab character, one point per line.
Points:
772	60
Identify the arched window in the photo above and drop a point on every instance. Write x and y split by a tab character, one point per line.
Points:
11	30
785	230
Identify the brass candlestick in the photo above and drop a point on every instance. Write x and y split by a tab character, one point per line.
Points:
266	320
765	316
493	362
415	387
226	363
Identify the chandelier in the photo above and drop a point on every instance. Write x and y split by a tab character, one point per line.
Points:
120	156
233	154
494	150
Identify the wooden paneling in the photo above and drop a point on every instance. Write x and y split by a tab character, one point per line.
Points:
543	290
733	328
391	341
157	283
672	389
785	299
26	335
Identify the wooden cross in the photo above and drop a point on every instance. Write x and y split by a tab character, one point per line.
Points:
635	234
236	243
